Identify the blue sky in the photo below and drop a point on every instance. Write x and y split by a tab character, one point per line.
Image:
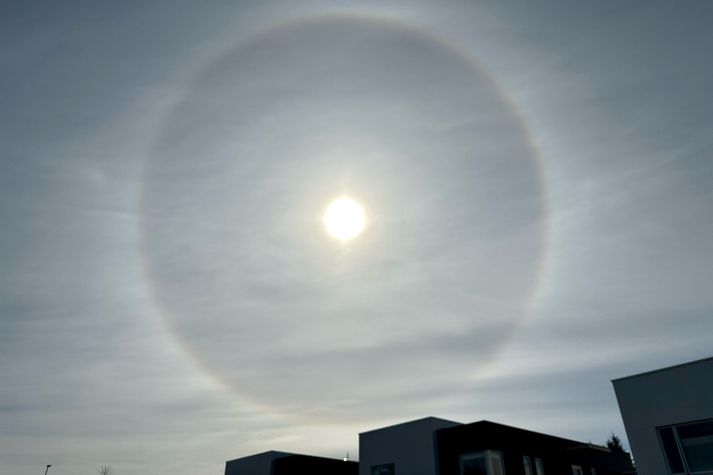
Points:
539	191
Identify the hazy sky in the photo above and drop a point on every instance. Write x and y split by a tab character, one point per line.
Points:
538	183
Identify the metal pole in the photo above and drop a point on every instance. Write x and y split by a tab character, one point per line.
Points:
47	469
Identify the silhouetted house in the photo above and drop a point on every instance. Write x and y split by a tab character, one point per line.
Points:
284	463
488	448
407	448
668	416
434	446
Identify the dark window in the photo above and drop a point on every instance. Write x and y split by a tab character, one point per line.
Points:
688	447
670	449
527	465
475	465
488	462
697	444
496	463
383	469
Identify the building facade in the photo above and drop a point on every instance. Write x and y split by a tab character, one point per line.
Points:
409	447
487	448
434	446
285	463
668	416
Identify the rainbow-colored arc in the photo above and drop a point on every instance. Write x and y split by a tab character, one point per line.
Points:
386	23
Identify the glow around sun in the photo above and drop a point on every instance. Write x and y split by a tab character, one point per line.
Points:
344	219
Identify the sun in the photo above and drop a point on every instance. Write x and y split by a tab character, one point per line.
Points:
344	219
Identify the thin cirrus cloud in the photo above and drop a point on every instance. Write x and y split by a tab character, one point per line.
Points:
538	194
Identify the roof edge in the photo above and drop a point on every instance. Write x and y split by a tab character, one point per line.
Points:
422	419
667	368
573	442
279	453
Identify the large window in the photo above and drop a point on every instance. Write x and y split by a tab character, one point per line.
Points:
487	462
527	465
539	468
688	447
383	469
577	470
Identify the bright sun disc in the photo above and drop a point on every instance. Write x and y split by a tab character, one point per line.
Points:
344	219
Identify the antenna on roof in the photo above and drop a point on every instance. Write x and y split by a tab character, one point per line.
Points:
346	457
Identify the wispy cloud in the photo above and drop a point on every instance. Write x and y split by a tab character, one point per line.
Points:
537	182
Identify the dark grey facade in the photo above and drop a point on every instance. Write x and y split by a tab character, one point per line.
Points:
284	463
409	447
487	448
258	464
668	416
434	446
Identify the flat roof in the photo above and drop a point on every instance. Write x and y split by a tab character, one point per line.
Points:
415	421
485	422
667	368
274	453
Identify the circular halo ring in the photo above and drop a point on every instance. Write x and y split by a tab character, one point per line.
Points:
381	21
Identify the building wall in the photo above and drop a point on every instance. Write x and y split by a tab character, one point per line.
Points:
409	446
668	396
258	464
310	465
284	463
557	454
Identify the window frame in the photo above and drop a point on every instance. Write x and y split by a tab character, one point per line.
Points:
494	454
381	466
679	447
488	455
527	465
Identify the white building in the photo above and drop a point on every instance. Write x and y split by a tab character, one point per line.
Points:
668	416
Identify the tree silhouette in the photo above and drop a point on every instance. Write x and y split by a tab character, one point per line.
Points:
614	444
105	470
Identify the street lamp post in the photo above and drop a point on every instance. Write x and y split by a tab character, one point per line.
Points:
47	469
